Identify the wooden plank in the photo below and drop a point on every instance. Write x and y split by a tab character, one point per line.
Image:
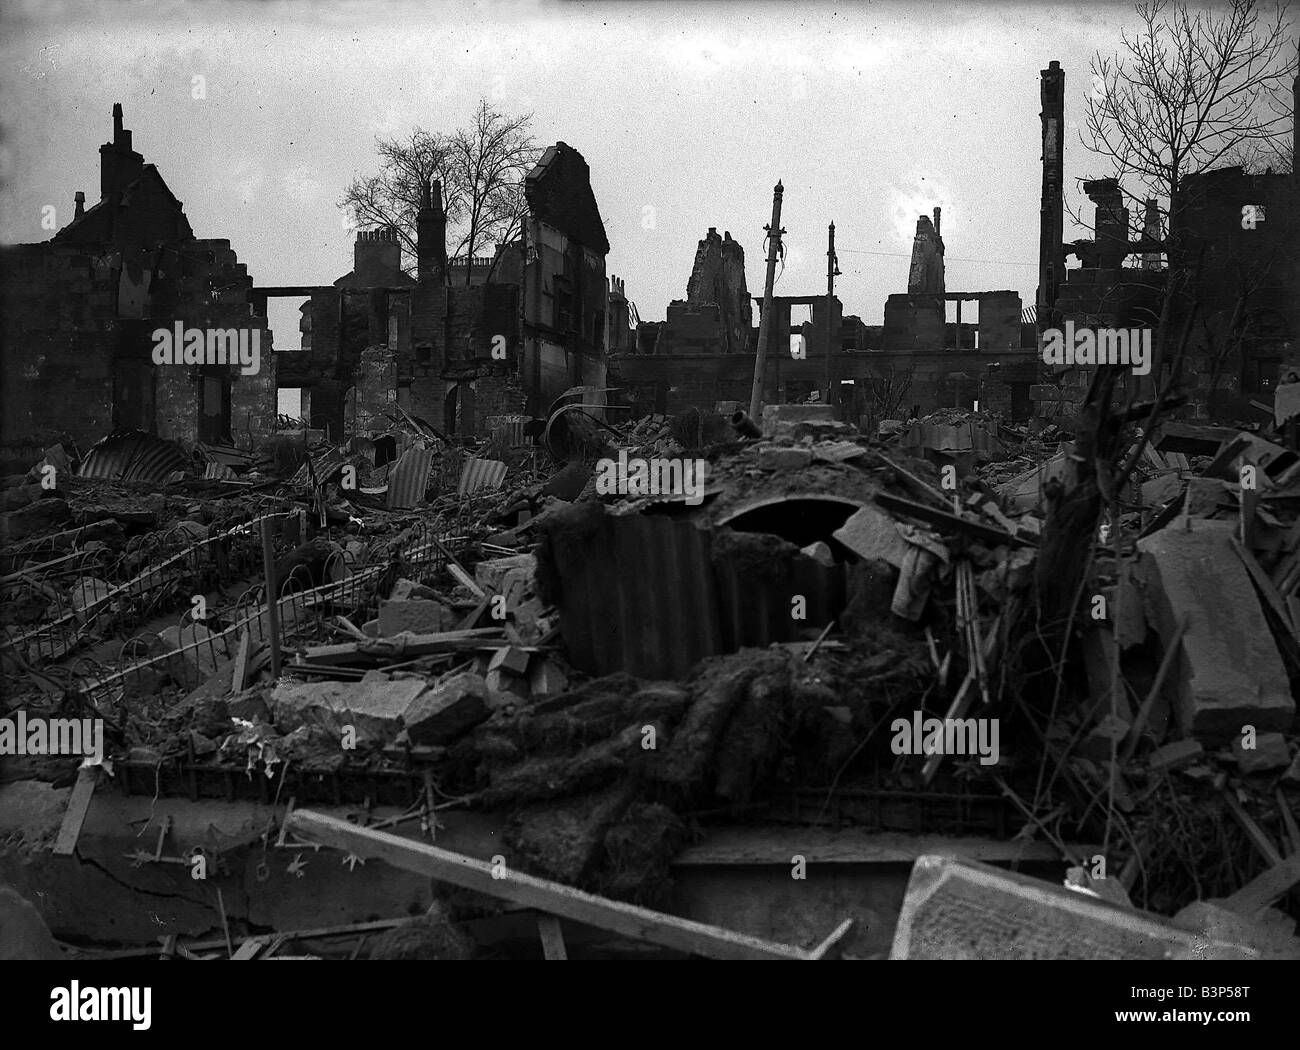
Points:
1258	837
1172	649
249	949
552	938
773	846
466	580
1264	889
1288	824
627	920
75	815
1246	517
471	621
943	519
407	645
241	664
1265	585
831	947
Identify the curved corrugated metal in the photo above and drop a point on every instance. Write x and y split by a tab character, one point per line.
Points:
132	455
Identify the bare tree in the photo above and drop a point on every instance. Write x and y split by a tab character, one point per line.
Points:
481	169
1188	91
392	197
489	161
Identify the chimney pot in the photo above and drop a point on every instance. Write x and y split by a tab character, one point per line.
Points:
80	198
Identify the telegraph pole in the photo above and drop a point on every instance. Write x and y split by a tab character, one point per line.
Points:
832	271
774	232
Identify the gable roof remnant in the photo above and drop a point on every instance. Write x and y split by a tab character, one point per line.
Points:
558	191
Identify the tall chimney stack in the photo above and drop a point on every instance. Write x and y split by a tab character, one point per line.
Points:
431	235
1051	232
119	164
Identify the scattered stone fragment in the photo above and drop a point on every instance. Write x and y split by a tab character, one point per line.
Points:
416	615
1269	753
444	712
1177	755
781	457
373	706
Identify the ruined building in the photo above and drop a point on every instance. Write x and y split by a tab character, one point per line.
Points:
926	272
1234	239
464	340
687	360
79	310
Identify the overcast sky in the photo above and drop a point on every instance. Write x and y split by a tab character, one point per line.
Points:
870	114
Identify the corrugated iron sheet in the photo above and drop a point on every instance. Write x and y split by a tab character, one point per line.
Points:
949	437
481	475
325	466
409	478
508	430
757	605
638	595
225	454
648	593
132	455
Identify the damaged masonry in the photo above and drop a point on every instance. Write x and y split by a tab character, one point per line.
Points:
525	638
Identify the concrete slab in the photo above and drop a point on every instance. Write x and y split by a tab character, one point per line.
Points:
873	535
417	615
373	706
960	909
1229	672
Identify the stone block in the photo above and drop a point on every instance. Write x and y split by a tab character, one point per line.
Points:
417	615
1269	753
513	578
373	706
873	535
443	713
1176	755
1229	672
784	457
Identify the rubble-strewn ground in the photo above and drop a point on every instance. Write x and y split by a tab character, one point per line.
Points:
840	584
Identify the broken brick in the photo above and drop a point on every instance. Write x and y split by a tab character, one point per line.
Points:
443	713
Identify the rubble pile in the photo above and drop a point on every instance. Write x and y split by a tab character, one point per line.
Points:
611	675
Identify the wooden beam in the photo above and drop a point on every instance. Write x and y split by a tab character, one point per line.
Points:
75	815
774	845
241	664
1258	837
1264	889
552	938
943	519
406	645
627	920
1172	650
